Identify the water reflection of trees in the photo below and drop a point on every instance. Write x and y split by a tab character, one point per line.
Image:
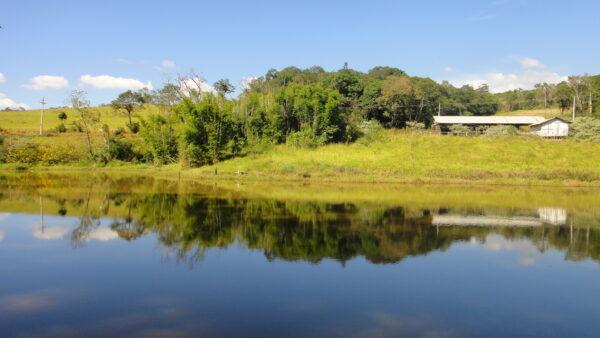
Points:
187	225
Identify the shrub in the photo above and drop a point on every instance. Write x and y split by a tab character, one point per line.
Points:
61	128
121	149
119	131
62	116
305	138
413	125
59	153
160	139
1	149
134	127
370	131
459	129
496	131
77	127
23	152
586	128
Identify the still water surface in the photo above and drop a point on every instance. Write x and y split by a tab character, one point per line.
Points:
137	258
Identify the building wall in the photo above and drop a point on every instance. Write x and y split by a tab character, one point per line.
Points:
555	128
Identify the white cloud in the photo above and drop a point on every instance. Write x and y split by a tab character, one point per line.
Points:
50	233
531	73
2	78
103	234
198	84
124	61
3	215
111	82
528	63
448	69
168	64
246	81
7	102
42	82
528	252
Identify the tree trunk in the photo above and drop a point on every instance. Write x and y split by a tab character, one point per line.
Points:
574	101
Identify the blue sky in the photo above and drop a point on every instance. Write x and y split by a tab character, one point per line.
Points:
49	48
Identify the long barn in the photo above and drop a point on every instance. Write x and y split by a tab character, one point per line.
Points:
555	127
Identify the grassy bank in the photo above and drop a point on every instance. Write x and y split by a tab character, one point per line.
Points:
399	156
393	156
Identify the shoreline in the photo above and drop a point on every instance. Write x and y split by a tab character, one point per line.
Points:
203	175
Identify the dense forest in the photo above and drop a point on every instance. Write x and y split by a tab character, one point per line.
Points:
305	107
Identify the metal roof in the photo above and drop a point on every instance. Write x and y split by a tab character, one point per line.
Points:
550	120
516	120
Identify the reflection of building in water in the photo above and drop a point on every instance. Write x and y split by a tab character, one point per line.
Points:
554	216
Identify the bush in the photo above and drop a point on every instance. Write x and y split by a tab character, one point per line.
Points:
459	129
1	149
369	131
119	131
305	138
62	116
134	127
413	125
496	131
58	154
77	127
160	139
121	149
23	152
586	128
61	128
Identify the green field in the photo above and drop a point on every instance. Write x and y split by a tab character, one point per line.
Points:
28	121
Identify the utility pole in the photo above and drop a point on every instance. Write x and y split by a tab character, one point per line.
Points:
43	102
439	109
574	107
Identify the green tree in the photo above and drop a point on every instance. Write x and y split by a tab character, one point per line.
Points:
127	102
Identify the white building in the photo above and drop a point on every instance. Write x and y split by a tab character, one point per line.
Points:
554	127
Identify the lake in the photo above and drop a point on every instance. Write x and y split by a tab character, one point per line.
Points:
94	255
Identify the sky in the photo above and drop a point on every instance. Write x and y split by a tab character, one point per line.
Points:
49	48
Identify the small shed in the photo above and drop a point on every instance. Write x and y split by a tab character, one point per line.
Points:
554	127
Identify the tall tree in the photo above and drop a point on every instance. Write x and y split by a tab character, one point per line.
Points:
127	102
87	118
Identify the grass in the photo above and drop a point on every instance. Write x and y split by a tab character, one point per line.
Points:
28	121
406	157
395	156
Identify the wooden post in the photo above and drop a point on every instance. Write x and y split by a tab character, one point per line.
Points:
43	102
